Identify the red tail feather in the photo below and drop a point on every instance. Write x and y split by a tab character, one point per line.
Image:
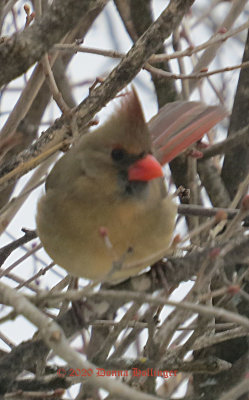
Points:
180	124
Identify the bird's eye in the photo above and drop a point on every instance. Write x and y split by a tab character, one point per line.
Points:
118	154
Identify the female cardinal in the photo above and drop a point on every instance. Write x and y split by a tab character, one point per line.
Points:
106	213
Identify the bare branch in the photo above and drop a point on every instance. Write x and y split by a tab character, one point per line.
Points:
22	50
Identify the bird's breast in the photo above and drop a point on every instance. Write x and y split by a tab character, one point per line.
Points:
87	237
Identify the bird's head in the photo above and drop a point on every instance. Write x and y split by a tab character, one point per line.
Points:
123	143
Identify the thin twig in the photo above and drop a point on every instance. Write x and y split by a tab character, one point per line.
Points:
3	272
27	166
57	96
74	295
239	137
7	250
197	75
156	58
41	272
194	209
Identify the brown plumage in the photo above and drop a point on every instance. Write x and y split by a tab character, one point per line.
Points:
106	203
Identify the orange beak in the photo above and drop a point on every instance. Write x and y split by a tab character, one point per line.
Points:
145	169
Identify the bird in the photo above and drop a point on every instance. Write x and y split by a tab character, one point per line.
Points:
106	213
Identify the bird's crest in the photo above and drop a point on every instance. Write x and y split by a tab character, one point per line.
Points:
130	119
